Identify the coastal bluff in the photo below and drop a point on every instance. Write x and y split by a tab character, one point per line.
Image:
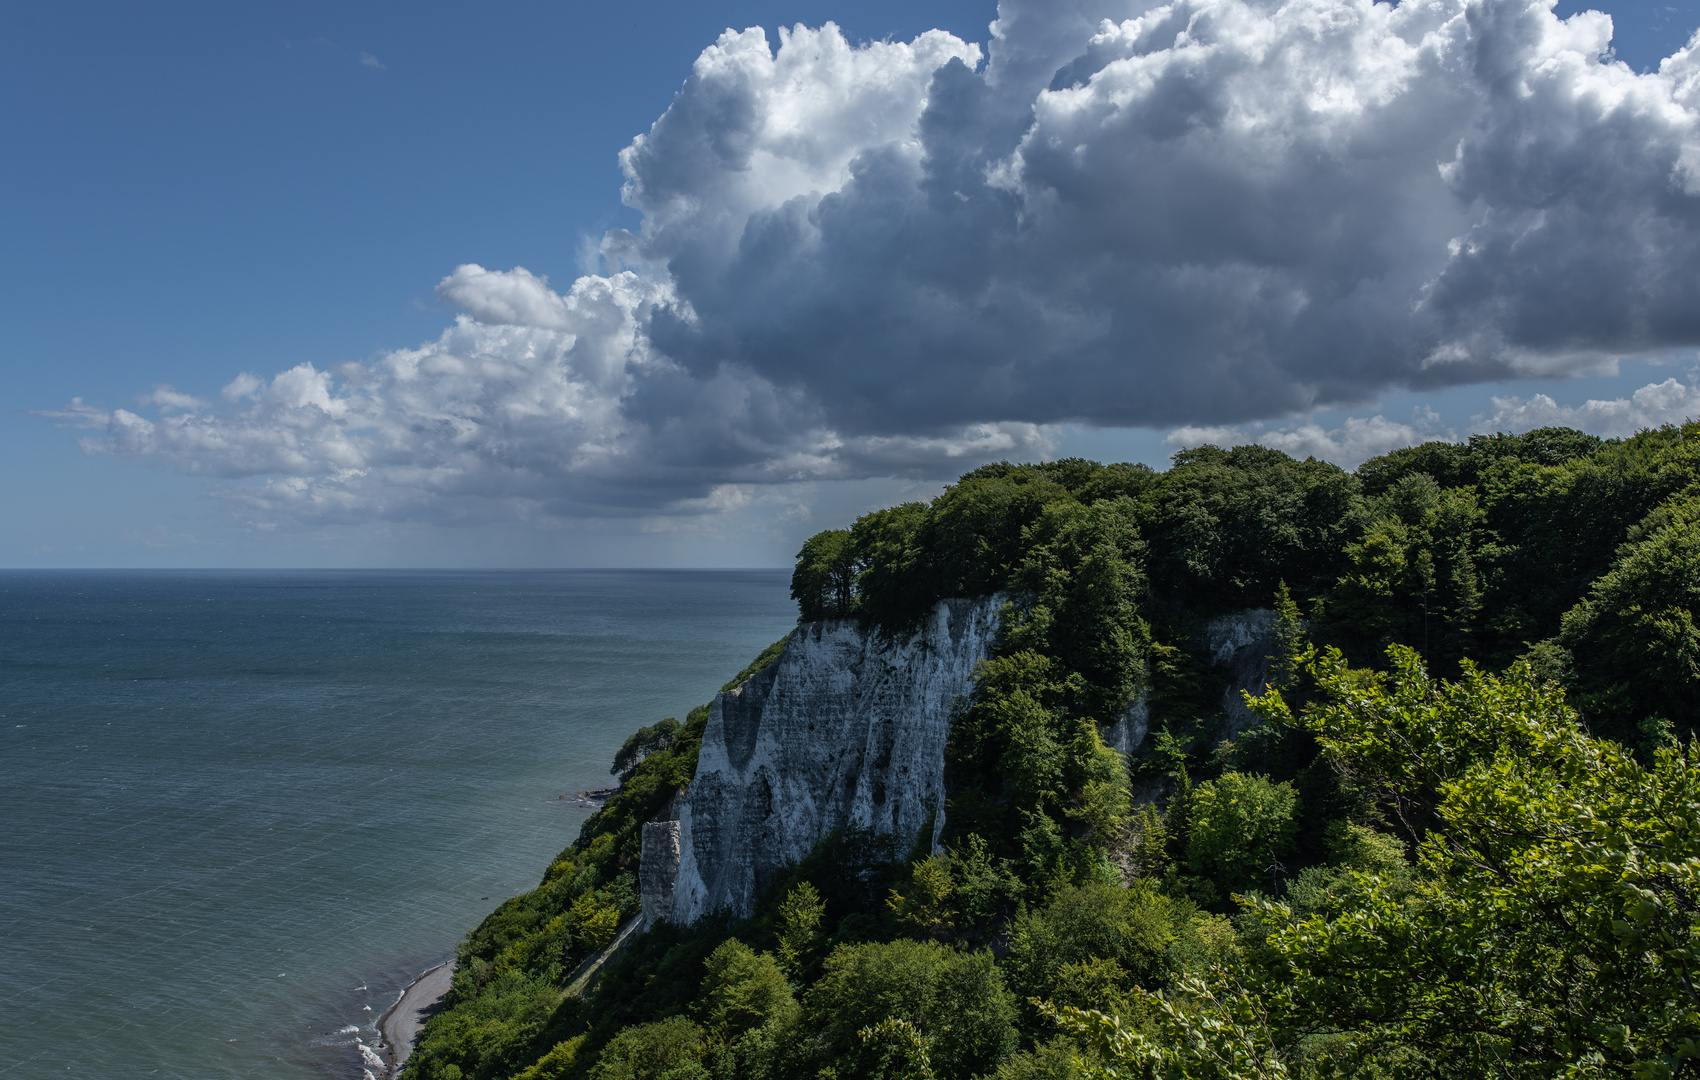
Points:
847	727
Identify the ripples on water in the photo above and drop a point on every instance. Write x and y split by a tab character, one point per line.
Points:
241	810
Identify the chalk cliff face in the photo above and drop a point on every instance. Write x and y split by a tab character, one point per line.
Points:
1238	646
848	727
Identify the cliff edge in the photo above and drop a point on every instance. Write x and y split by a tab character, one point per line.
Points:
848	727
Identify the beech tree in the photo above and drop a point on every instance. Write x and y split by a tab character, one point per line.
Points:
1550	929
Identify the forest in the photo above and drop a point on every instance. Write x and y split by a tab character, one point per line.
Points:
1464	840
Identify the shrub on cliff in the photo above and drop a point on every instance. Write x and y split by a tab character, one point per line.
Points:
641	743
742	990
1130	929
1240	826
1079	588
955	1000
1026	772
670	1048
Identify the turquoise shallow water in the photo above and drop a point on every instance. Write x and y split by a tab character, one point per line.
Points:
239	810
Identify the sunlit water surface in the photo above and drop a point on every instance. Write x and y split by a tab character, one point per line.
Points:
238	811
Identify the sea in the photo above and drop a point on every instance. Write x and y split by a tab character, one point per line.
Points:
239	811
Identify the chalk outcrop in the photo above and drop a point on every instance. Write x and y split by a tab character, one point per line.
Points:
1239	646
658	868
848	727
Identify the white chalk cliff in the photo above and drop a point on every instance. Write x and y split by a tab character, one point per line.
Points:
848	727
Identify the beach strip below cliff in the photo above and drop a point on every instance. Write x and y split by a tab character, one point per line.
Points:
399	1026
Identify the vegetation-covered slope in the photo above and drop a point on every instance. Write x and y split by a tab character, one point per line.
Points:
1461	844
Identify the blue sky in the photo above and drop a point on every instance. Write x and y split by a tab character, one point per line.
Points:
197	191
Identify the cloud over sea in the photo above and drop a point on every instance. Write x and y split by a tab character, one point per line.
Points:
894	258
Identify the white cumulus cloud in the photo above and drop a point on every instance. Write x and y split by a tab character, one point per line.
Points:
1668	402
1357	438
1199	212
534	403
1354	442
900	258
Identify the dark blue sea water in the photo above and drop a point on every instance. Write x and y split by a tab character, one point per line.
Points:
239	810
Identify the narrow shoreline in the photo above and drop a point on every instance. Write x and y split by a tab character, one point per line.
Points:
398	1028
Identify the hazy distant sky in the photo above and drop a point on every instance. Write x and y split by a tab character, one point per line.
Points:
371	284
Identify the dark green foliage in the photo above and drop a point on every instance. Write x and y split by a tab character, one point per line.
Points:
1353	849
1634	636
749	1012
489	1033
1239	827
1007	750
1058	1059
956	1000
643	742
1557	528
851	873
799	928
1081	585
986	887
1555	505
1230	525
895	585
657	976
824	580
922	904
1225	526
1183	704
742	991
1122	480
1134	929
1291	649
669	1049
1280	752
973	540
1412	577
1086	481
970	541
1027	769
1470	464
1177	822
1029	777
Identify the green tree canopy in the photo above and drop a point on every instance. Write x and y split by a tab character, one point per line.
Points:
956	1000
1229	525
1239	826
1549	931
1634	636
